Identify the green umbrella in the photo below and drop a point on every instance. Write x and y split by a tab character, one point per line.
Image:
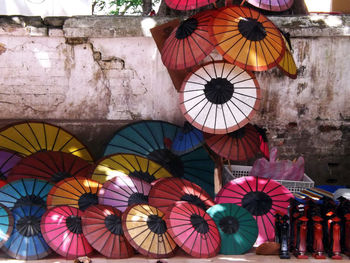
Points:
238	228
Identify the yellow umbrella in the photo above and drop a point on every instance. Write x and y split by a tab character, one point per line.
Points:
287	63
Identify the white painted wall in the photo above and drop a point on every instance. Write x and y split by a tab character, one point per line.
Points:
45	7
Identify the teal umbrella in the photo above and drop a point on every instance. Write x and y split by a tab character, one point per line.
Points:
238	228
6	224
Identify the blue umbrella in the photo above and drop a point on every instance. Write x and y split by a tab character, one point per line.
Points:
25	192
26	241
153	140
6	224
188	139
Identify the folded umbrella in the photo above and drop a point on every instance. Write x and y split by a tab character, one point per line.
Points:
102	227
51	166
62	230
26	241
123	191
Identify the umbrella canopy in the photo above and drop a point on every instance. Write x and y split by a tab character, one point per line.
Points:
166	192
62	230
30	137
247	38
25	192
193	230
219	97
287	63
264	146
102	227
239	145
6	224
238	228
123	191
128	164
187	4
189	43
26	241
262	198
272	5
187	140
146	230
152	139
8	160
74	191
51	166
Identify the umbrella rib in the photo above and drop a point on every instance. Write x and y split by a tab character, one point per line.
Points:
133	142
234	104
15	142
237	75
119	163
153	136
24	137
3	163
35	136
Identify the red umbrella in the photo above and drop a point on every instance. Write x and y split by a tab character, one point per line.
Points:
102	227
51	166
167	191
187	4
61	229
262	197
189	43
239	145
193	230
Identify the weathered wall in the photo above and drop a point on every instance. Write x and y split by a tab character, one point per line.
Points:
94	74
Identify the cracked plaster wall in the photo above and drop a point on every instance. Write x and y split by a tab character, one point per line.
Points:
93	74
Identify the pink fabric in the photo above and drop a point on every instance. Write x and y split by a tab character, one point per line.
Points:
278	170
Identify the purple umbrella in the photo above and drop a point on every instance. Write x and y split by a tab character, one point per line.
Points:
272	5
8	160
123	191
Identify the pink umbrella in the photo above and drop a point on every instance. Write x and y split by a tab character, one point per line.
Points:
62	230
271	5
123	191
262	197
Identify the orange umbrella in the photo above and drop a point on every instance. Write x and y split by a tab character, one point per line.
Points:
247	38
287	64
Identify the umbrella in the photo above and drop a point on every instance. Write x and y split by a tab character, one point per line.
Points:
238	228
247	38
128	164
6	224
262	198
219	97
51	166
166	192
102	227
8	160
26	241
152	139
146	230
239	145
30	137
264	146
193	230
28	191
187	140
77	192
271	5
189	43
62	230
287	63
187	4
123	191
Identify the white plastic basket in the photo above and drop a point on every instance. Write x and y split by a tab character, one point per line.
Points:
237	171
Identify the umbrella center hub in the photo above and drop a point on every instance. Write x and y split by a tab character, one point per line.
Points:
60	175
252	29
229	224
73	224
169	161
145	176
193	199
199	224
186	28
114	224
156	224
257	203
30	200
86	200
137	198
218	90
28	226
